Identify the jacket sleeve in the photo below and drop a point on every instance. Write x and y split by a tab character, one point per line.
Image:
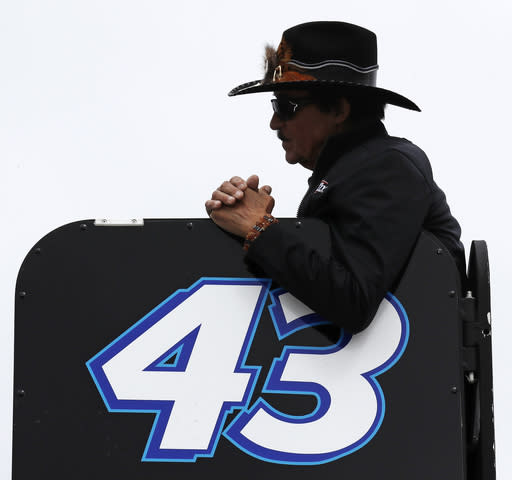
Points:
374	218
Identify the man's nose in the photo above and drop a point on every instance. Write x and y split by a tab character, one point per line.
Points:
275	122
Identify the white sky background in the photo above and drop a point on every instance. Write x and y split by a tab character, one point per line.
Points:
119	109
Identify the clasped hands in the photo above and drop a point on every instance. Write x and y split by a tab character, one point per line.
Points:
237	205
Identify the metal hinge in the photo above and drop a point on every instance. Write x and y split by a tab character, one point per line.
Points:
108	222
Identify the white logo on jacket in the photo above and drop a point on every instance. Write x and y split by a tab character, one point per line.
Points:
322	186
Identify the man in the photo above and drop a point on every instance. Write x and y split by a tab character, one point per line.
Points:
375	192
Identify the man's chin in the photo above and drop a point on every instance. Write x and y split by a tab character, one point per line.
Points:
291	159
294	160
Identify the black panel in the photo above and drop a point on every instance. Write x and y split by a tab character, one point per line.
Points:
479	392
82	286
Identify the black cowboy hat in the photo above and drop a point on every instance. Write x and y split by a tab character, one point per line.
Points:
324	54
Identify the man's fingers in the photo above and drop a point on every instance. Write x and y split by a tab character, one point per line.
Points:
212	205
238	182
229	189
253	182
225	198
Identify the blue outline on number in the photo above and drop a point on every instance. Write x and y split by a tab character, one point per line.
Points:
181	350
161	408
275	385
284	328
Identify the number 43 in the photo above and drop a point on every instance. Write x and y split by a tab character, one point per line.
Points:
185	361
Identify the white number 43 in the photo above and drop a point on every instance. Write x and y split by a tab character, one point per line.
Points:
185	362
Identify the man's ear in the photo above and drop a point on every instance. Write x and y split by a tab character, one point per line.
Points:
342	111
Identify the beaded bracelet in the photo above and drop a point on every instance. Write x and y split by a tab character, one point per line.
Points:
260	226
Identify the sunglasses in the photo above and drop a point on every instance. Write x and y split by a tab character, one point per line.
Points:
286	108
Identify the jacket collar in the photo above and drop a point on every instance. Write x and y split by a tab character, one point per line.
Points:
344	142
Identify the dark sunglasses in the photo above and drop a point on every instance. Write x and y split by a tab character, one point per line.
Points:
286	108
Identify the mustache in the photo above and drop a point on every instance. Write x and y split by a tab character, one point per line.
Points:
280	135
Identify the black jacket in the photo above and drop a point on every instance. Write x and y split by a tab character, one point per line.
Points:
376	193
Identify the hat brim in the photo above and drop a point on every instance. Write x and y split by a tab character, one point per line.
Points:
386	96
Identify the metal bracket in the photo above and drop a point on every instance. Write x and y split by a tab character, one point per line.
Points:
107	222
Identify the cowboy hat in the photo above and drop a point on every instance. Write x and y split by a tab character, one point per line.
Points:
324	54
